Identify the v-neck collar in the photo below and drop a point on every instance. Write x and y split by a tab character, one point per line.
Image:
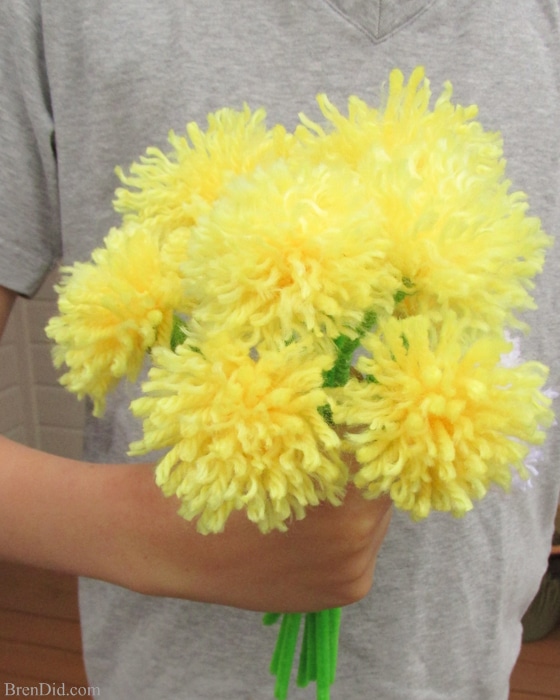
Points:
379	18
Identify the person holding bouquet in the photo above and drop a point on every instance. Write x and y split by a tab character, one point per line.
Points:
168	611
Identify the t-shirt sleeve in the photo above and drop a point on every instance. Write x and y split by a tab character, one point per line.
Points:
30	240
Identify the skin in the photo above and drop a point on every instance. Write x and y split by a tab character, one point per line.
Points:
115	525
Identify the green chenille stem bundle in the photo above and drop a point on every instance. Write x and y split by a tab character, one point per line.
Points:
319	646
318	654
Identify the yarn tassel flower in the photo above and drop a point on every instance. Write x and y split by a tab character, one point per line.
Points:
351	287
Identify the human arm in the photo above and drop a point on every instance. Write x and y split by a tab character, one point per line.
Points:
111	522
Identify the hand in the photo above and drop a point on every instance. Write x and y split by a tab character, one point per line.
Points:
112	522
325	560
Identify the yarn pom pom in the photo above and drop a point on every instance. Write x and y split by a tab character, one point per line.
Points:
111	311
243	432
433	422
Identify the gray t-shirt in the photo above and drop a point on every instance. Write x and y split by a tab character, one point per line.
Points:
88	85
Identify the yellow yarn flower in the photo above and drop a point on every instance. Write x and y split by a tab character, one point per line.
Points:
439	422
111	311
288	250
244	433
460	238
173	190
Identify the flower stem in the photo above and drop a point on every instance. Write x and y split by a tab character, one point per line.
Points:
318	654
283	657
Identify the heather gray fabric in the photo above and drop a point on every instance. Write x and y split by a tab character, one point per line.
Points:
99	82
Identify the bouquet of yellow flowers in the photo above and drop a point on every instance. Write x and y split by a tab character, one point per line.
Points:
348	287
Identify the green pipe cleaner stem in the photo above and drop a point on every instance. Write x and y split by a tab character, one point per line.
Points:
339	373
325	647
324	658
271	618
335	618
307	670
283	657
178	332
318	653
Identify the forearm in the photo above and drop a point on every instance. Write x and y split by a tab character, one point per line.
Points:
54	512
95	520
